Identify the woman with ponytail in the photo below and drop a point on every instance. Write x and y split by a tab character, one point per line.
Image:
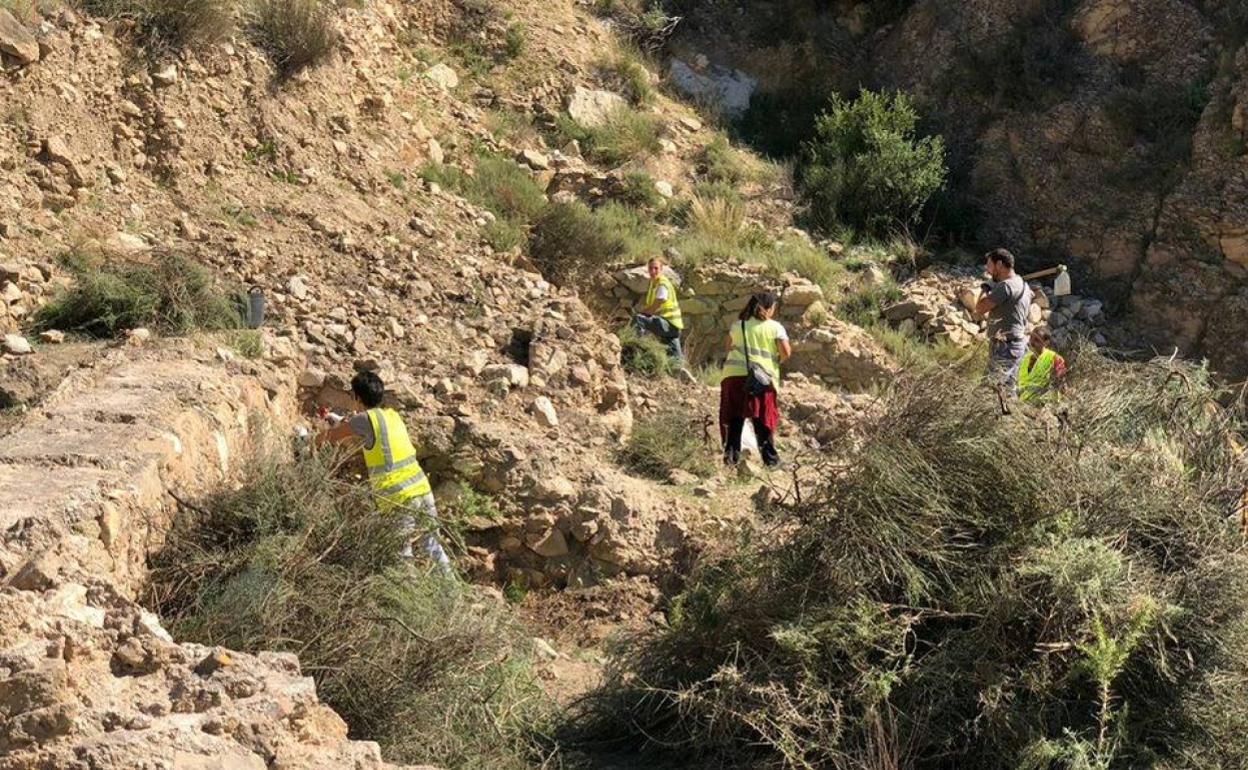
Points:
758	343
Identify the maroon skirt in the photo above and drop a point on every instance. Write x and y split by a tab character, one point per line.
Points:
735	404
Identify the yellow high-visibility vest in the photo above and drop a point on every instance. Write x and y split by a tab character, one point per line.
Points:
1036	384
760	337
670	309
393	471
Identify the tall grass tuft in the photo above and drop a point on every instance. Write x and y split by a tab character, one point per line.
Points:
165	24
299	561
295	33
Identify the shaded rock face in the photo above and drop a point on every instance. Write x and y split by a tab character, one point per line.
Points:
1106	134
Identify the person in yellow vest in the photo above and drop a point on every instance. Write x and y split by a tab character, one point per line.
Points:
660	313
400	486
1042	371
756	340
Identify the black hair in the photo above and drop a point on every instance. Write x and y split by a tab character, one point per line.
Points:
368	388
1046	336
761	301
1001	257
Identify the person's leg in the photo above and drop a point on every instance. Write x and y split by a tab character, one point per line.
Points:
429	541
1014	352
766	444
732	444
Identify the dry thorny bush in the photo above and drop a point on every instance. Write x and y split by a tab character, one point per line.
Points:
964	589
298	560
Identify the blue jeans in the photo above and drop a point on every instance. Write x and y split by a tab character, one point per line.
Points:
1004	359
659	327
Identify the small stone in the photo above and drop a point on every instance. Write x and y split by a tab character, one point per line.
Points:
166	75
298	287
9	293
52	336
535	160
311	378
445	77
216	660
544	649
138	337
436	155
693	124
17	345
550	543
664	188
545	412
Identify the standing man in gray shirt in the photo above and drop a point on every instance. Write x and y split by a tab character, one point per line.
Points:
1005	301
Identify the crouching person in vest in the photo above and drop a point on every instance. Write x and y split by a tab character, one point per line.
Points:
1042	371
660	314
400	486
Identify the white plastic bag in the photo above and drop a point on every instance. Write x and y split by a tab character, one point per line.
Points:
749	442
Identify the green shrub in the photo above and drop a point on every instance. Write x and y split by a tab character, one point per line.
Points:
720	163
864	304
298	561
503	187
170	294
717	190
667	441
866	168
295	33
514	40
644	354
630	76
625	135
570	239
639	191
1165	121
248	343
170	23
973	591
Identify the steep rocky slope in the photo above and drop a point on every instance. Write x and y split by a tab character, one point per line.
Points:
1102	133
308	188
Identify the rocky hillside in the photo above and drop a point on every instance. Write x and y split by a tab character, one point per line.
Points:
1105	134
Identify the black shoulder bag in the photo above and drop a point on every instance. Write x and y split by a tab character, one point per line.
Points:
757	380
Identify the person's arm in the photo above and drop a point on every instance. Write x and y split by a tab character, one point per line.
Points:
786	349
1058	380
337	434
660	295
986	301
728	343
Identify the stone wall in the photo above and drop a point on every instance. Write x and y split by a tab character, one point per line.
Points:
711	297
88	678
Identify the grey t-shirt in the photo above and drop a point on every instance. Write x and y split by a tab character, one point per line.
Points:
363	427
1008	318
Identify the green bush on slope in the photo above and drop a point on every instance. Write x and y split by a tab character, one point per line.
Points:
297	561
170	293
974	591
866	168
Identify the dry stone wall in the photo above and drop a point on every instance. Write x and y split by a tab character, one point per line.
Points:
88	678
711	297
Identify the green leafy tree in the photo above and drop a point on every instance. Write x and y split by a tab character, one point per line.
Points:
866	168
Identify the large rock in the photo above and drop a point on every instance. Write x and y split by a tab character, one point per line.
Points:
727	90
17	41
445	77
591	107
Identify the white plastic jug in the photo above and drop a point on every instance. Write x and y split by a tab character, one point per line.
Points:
1061	284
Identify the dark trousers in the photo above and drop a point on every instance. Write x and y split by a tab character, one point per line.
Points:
659	327
732	441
